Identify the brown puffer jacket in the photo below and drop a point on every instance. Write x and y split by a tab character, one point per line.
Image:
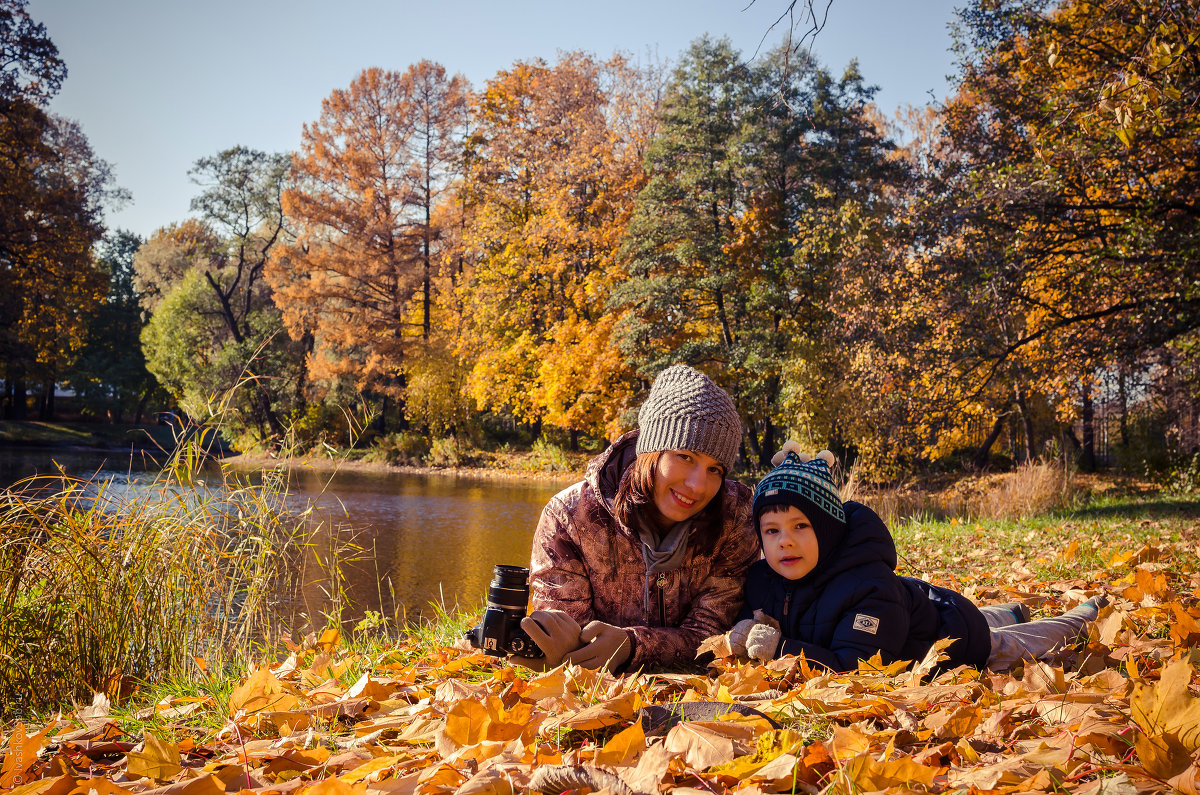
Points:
589	565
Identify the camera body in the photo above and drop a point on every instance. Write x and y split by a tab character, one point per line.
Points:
499	632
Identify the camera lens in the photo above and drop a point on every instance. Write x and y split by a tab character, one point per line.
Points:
508	589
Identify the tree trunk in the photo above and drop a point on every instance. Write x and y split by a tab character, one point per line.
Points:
574	440
1087	461
769	446
981	456
1026	423
1123	397
751	437
46	413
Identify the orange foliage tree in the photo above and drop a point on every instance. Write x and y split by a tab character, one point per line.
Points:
358	281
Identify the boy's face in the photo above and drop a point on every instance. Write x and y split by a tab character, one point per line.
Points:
789	543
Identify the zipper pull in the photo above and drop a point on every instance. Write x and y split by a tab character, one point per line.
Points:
787	603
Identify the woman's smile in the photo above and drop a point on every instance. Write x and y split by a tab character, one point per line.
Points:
685	483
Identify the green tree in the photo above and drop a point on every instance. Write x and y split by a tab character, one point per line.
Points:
215	325
109	376
757	179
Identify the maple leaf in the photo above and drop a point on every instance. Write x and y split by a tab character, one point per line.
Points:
1166	707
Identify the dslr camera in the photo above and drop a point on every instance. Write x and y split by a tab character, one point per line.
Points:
499	632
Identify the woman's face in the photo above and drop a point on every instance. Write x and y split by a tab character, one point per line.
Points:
684	483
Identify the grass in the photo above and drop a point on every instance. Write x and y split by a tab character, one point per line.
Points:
107	590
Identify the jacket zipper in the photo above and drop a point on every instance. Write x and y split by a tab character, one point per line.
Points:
787	604
662	602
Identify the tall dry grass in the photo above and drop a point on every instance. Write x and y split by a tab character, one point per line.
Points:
104	587
1033	488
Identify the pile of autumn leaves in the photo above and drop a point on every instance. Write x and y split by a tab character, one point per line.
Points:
1117	714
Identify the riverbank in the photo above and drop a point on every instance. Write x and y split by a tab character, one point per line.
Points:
499	466
86	435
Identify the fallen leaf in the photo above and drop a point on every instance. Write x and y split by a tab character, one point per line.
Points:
624	748
158	759
1166	707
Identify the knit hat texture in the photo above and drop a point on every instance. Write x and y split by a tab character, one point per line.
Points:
809	486
687	411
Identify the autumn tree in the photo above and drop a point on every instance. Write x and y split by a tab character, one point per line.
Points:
109	375
52	192
554	164
1059	231
358	281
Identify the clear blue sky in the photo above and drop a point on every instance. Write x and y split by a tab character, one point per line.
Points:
157	84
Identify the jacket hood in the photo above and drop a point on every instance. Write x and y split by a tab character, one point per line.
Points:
605	471
865	539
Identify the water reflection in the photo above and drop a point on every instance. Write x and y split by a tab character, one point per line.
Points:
430	538
426	538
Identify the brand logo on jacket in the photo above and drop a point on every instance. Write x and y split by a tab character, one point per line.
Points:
865	623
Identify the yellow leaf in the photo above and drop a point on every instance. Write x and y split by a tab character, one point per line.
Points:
869	775
1163	756
1166	707
466	723
261	691
624	747
158	760
1071	550
364	771
335	786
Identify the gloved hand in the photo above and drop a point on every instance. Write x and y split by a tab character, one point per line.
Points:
555	632
737	636
762	642
606	647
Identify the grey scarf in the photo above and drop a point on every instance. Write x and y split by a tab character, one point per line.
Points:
662	554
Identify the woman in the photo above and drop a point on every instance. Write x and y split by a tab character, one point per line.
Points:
645	557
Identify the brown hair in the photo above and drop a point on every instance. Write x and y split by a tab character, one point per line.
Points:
635	497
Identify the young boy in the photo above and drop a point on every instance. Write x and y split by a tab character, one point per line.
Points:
829	578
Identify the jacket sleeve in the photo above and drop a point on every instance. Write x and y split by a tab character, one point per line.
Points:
877	621
558	577
714	606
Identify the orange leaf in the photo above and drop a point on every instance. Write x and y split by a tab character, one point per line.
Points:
466	723
624	747
869	775
22	755
1162	755
261	691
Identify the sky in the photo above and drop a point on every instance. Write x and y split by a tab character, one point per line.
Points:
157	84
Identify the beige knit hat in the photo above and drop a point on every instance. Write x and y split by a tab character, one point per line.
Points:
687	411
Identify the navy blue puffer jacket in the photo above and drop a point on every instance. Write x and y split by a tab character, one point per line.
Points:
853	604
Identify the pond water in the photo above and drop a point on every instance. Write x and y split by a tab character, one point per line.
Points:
426	539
